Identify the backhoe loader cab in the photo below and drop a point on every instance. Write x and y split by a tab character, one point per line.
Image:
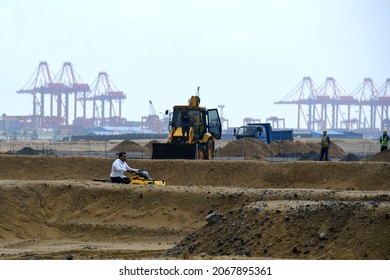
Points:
192	133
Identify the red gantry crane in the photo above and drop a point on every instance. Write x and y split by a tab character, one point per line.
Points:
368	96
330	106
334	97
384	98
303	94
59	90
102	91
72	84
38	86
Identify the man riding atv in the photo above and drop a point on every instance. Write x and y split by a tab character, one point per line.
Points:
141	177
119	167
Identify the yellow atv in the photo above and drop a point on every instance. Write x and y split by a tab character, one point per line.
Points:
141	177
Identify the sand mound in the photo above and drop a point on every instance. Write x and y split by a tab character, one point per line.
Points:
289	148
251	148
381	157
245	147
50	208
150	144
130	146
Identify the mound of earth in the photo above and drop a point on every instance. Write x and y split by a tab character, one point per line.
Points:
289	148
240	173
150	144
275	227
130	147
27	151
350	157
50	208
251	148
381	156
245	147
31	151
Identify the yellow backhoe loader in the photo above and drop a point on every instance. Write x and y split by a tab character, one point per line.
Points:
192	132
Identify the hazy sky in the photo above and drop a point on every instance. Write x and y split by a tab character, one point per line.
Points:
244	54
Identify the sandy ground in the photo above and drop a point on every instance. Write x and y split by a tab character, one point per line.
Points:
50	208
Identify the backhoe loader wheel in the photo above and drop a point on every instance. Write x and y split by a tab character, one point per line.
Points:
210	149
201	153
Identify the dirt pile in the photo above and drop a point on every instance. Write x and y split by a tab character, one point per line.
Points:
30	151
50	209
250	148
150	144
27	151
317	229
248	173
381	156
93	220
130	147
246	147
350	157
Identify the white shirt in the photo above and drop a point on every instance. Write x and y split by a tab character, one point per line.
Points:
119	167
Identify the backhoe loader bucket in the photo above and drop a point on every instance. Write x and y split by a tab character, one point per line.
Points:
174	151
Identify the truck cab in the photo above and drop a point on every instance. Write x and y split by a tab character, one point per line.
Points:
263	132
257	131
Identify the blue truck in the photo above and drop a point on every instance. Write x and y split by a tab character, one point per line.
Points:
264	132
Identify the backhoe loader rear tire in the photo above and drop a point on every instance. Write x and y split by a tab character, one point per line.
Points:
210	149
201	153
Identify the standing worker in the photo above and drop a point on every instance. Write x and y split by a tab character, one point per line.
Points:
325	144
118	169
384	140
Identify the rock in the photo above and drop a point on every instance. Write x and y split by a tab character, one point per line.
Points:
295	250
192	248
213	218
323	236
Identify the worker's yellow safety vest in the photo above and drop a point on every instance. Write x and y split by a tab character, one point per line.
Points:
324	141
385	140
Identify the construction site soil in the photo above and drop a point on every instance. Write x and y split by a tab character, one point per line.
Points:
252	208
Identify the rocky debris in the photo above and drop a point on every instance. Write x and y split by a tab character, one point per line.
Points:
213	218
247	232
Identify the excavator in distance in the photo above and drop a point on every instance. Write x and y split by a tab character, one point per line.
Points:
192	132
